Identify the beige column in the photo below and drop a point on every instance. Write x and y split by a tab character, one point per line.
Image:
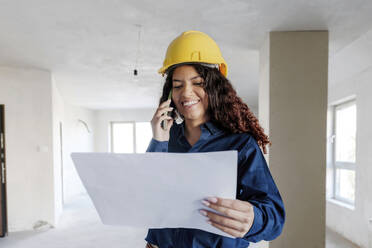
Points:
293	111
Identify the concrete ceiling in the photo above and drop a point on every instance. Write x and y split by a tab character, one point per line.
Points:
91	46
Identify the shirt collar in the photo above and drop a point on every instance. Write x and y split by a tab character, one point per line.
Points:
211	128
208	128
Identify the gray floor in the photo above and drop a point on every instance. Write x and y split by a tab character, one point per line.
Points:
80	227
334	240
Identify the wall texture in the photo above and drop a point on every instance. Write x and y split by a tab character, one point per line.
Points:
351	77
76	138
27	96
35	162
58	116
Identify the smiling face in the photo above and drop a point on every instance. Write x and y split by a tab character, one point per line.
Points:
189	95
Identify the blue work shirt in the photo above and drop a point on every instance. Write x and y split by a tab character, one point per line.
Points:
255	185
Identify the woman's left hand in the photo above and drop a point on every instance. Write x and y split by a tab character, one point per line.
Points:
236	216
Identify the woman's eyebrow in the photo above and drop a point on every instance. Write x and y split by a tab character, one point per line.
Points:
179	80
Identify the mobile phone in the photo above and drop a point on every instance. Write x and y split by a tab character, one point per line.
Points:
164	122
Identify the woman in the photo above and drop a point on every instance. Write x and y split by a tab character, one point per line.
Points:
214	119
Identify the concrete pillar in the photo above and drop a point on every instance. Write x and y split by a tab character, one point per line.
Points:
293	111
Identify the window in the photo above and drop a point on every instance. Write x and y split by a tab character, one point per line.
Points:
343	144
130	137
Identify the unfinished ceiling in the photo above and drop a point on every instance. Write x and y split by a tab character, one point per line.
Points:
92	46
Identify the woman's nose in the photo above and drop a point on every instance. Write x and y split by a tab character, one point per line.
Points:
187	89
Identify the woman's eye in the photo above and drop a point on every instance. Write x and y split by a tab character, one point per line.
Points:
177	86
199	83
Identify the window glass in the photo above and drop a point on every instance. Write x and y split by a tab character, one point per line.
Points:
122	138
345	133
143	136
345	184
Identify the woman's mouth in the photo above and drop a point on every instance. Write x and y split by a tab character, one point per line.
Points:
189	104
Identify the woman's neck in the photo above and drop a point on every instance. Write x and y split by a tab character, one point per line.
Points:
193	130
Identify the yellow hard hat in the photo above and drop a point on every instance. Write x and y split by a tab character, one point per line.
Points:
194	46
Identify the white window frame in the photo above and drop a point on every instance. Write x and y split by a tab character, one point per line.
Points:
340	165
134	124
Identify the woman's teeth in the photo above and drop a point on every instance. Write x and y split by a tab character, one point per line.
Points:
189	103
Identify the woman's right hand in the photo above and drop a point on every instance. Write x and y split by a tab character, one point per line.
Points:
158	133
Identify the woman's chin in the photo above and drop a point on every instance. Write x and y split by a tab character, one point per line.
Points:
194	118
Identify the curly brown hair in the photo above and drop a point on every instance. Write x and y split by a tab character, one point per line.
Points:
225	108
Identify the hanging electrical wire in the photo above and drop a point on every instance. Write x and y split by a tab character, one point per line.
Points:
136	71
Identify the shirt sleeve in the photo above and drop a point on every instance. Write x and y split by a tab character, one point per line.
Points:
256	185
157	146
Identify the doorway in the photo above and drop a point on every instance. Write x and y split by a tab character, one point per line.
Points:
3	215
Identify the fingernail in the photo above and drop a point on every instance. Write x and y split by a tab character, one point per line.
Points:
209	222
203	212
212	199
206	203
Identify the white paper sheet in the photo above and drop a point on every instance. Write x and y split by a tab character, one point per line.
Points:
157	190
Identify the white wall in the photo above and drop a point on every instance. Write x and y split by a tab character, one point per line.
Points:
58	116
104	117
351	75
76	138
27	96
34	110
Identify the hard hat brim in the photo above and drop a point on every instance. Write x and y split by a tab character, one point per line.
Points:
222	67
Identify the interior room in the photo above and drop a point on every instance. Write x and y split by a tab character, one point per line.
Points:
82	76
